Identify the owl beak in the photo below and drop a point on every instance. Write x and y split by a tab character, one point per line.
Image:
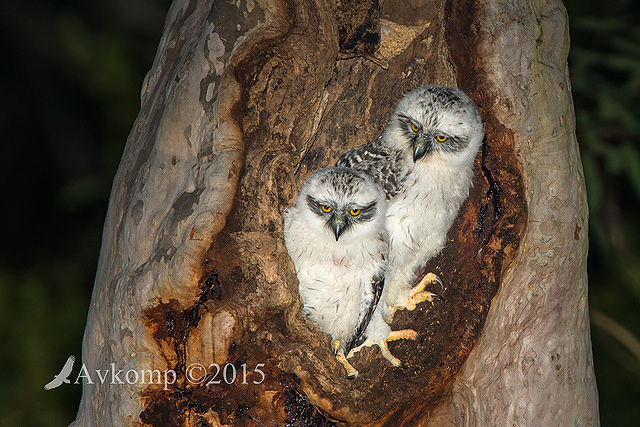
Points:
338	225
420	147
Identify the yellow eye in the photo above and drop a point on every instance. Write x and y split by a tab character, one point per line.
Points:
441	138
325	208
354	212
414	127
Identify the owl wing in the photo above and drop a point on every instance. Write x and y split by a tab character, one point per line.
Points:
377	284
384	164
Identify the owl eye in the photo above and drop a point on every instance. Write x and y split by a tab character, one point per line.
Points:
414	127
325	208
354	212
441	138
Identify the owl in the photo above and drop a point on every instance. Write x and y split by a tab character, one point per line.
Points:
335	234
424	161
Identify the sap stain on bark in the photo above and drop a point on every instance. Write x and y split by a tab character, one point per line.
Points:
171	323
300	413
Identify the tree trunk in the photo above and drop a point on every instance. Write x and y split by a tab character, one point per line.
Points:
243	101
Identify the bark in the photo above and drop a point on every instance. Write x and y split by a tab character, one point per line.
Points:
243	101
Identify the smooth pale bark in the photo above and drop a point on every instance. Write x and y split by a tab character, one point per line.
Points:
243	101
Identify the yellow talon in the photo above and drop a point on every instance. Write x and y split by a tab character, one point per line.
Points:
428	279
406	334
337	350
417	294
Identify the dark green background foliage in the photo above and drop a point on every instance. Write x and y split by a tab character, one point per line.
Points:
605	75
70	79
70	85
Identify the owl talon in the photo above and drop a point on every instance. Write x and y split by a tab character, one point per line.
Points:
428	279
339	354
352	373
417	294
386	353
384	349
406	334
440	297
335	346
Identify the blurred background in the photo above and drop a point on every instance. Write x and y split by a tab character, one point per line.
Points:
70	79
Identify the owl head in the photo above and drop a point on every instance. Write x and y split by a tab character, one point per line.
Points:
345	204
436	121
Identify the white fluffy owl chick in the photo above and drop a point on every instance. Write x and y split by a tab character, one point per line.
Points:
335	235
424	161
